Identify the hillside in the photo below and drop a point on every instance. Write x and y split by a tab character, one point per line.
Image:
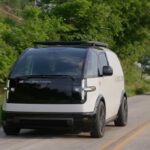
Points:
124	25
6	11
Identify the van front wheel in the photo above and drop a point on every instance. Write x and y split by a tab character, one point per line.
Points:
98	127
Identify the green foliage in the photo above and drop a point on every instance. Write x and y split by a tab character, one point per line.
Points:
7	54
34	28
31	12
88	21
124	25
134	83
7	57
146	64
17	4
1	99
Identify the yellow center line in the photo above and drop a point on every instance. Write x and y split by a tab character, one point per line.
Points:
118	142
128	139
103	147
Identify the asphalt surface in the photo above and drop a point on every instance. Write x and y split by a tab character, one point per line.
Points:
135	136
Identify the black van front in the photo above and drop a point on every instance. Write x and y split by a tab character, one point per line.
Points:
47	76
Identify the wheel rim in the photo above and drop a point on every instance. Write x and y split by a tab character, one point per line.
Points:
102	120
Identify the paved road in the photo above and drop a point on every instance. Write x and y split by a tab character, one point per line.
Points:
135	136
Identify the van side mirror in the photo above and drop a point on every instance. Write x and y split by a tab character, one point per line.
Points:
107	71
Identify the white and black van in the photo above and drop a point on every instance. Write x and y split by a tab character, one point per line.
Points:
77	85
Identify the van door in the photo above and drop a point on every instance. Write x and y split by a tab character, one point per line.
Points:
106	86
118	79
91	79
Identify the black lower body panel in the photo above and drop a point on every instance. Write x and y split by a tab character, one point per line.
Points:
82	122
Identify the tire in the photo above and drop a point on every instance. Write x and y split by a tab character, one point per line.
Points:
98	127
122	116
11	129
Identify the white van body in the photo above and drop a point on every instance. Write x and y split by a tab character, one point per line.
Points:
110	89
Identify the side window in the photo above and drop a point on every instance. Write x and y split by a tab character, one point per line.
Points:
102	61
91	69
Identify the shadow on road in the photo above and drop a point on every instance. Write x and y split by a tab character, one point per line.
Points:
51	134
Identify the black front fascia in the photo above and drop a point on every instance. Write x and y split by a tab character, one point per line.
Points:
79	121
45	91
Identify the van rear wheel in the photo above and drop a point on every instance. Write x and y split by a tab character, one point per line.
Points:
11	129
98	127
122	116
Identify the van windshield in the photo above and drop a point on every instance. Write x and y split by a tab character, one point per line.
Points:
50	61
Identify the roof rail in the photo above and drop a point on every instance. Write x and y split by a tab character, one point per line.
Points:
72	43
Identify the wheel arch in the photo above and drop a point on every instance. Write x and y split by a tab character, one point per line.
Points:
99	99
124	94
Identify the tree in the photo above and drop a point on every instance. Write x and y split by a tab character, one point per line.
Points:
124	25
32	29
7	54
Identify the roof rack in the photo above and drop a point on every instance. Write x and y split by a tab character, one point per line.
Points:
72	43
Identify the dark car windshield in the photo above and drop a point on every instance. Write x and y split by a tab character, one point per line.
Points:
50	61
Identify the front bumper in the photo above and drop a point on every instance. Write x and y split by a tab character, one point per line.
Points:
80	121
